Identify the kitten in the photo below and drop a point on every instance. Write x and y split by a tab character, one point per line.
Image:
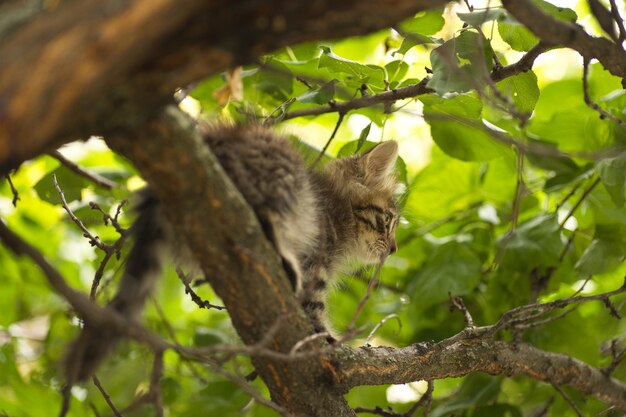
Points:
317	222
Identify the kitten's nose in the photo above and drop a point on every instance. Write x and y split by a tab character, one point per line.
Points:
392	246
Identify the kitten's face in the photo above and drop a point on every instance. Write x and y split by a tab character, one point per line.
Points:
375	223
368	181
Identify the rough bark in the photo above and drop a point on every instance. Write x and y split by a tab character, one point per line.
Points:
87	67
383	365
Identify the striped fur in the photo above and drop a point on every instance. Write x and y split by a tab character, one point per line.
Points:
317	222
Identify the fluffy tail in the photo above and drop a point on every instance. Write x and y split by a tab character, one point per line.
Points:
143	267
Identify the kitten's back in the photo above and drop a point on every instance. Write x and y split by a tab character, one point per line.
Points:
275	181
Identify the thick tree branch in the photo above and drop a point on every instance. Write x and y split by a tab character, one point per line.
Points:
383	365
555	32
81	68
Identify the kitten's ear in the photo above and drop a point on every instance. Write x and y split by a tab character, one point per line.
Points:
379	163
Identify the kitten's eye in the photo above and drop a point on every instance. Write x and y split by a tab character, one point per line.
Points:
388	218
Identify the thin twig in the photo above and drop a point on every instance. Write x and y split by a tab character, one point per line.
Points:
425	400
539	323
155	387
330	139
307	340
195	297
605	411
106	396
524	64
526	313
111	219
569	195
410	91
618	356
457	302
569	400
109	250
520	192
543	411
93	240
456	216
582	198
618	19
377	411
381	323
77	169
370	288
603	113
252	392
16	196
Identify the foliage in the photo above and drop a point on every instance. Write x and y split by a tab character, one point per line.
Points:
513	194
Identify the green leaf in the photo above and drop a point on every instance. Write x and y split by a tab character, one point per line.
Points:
461	64
535	243
602	82
275	79
516	35
612	172
557	163
499	410
321	95
574	130
368	74
477	18
205	337
411	40
363	137
477	389
522	89
427	22
396	70
447	76
606	251
457	128
474	47
171	389
452	269
560	13
427	200
557	97
70	183
519	37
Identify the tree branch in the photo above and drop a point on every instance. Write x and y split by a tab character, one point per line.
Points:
555	32
454	358
77	169
74	70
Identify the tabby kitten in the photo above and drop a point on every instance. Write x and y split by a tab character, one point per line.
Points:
317	222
